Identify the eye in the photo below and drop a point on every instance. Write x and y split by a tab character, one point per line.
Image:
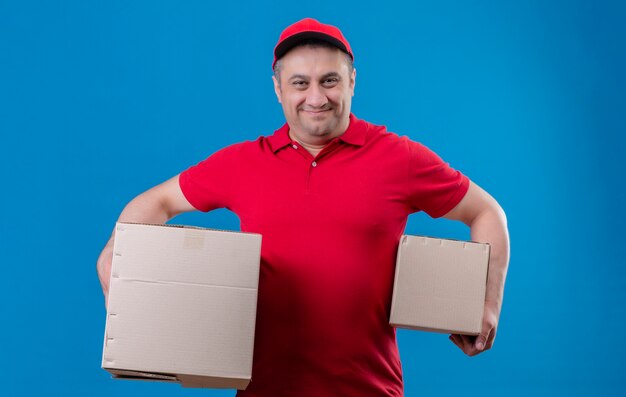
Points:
330	82
299	83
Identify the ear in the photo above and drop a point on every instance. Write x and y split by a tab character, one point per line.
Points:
277	89
353	80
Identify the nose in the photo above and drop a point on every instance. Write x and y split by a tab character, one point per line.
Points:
315	97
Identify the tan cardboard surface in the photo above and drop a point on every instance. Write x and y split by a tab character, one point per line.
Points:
182	304
440	285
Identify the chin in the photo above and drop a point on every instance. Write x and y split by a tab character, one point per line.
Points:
316	132
319	130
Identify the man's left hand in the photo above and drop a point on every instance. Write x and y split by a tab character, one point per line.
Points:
473	345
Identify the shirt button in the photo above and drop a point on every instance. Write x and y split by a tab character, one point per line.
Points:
314	164
295	146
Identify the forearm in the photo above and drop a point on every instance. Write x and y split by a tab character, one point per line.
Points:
491	227
487	223
145	208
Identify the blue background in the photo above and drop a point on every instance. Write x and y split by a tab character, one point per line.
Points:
100	101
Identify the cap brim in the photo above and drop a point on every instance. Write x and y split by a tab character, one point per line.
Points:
292	41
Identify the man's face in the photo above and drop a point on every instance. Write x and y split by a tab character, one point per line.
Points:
315	90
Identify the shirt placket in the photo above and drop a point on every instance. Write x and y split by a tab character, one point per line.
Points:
313	163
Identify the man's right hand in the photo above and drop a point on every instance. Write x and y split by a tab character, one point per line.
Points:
104	269
157	205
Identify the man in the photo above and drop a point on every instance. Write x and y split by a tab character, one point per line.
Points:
331	195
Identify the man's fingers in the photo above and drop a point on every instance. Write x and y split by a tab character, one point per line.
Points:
104	283
103	267
491	338
482	340
468	344
463	342
473	345
455	340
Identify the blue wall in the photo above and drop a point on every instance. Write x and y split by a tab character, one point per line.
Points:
101	100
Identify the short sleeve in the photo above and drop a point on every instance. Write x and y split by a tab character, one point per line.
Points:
434	186
208	185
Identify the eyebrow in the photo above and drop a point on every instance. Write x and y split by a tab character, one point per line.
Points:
331	74
298	76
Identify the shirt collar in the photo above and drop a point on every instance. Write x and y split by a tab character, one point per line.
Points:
354	135
356	132
280	139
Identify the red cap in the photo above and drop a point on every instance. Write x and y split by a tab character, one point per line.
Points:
309	28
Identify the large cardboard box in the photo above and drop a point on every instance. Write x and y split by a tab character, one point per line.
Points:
440	285
182	305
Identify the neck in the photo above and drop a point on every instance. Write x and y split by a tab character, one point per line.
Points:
313	148
314	145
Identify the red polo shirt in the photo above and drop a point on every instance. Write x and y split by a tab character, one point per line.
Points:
331	226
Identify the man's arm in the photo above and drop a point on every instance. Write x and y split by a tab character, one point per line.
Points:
487	223
157	205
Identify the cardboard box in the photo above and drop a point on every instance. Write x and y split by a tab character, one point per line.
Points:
440	285
182	305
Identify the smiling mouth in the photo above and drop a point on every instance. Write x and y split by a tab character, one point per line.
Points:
316	111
